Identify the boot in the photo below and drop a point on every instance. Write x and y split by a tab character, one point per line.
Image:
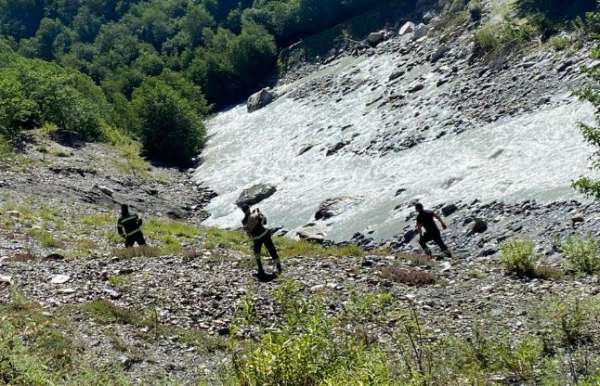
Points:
279	268
261	272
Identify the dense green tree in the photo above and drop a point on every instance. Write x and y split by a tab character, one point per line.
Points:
20	18
588	185
170	129
33	92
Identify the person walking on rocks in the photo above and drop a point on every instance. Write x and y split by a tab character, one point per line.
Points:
254	224
426	220
129	227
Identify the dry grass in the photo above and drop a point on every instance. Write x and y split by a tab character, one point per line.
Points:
406	276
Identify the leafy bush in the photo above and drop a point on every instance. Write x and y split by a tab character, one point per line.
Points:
170	129
518	256
582	253
34	92
309	348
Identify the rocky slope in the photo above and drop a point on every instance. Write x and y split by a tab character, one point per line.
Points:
418	116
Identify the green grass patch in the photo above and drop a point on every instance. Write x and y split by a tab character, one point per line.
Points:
130	162
45	238
106	312
498	41
37	348
170	234
120	280
239	241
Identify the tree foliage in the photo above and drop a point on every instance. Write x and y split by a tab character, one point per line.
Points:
34	92
587	185
198	52
169	126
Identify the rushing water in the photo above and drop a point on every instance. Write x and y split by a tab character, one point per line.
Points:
533	156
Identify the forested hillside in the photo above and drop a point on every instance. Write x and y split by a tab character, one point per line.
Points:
161	64
154	68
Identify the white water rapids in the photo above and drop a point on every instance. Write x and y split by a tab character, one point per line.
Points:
532	156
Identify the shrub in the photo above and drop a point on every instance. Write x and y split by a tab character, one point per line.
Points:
170	129
518	256
559	43
308	347
34	92
582	253
408	276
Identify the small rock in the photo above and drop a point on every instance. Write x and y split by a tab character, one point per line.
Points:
112	294
577	219
420	31
479	226
60	279
67	291
449	210
6	279
416	87
317	287
106	190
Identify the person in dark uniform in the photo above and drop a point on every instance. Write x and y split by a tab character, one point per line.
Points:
426	220
254	224
129	227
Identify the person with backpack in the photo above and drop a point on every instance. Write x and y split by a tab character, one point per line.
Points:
254	223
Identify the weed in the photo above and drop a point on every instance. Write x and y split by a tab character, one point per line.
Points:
119	280
582	253
518	256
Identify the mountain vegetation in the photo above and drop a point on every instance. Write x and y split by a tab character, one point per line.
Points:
124	63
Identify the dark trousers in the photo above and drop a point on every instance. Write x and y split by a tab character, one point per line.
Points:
268	243
436	238
135	238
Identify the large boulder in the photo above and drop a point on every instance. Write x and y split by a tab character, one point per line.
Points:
407	28
334	207
255	194
260	99
312	232
375	38
420	31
